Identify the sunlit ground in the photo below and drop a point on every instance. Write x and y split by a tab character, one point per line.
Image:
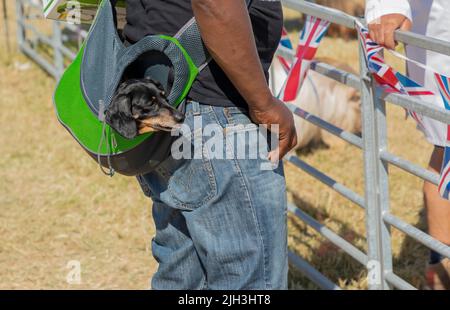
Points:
56	207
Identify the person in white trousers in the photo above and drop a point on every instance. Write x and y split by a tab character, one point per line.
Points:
431	18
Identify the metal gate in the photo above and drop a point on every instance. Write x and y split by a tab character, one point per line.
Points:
377	158
54	50
52	45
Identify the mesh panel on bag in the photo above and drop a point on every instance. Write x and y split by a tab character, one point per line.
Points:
171	50
193	44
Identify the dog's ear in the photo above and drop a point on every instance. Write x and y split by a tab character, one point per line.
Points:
156	83
118	115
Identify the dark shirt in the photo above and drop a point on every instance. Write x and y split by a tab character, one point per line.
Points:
147	17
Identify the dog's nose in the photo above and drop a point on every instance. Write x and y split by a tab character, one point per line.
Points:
178	116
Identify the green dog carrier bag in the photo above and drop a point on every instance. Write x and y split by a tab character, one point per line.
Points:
88	85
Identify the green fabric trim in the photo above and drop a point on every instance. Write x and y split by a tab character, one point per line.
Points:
74	113
193	70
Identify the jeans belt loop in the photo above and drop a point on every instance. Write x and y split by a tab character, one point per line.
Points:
196	108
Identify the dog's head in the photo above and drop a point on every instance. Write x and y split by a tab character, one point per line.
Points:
141	106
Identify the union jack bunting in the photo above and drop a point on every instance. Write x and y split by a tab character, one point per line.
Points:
385	75
392	81
313	32
285	42
443	84
444	181
370	47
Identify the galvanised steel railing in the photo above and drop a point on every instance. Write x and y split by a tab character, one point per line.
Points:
377	158
50	51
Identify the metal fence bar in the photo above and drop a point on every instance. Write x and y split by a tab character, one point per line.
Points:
419	106
398	282
352	80
330	71
337	74
427	43
20	33
310	272
410	167
55	64
383	184
47	40
371	177
338	187
41	61
341	18
336	131
349	79
418	235
326	13
376	156
330	235
57	43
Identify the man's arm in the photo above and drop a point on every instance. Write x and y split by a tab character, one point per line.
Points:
386	16
227	32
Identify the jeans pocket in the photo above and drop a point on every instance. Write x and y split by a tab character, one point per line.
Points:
236	116
245	139
193	182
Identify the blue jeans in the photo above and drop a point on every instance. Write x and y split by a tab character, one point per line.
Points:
220	223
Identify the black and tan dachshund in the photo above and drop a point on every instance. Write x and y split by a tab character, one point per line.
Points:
140	106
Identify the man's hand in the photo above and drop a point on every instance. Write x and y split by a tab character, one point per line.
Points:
276	113
382	30
227	32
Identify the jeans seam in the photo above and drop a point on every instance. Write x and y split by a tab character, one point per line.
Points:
217	119
255	218
228	113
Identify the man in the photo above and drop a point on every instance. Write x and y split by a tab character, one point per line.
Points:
429	18
221	223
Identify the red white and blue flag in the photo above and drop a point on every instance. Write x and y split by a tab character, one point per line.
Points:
310	38
444	180
370	47
386	76
443	84
392	81
285	42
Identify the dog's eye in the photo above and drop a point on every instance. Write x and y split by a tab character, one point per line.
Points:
163	93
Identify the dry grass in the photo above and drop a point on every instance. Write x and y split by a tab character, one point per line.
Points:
55	205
